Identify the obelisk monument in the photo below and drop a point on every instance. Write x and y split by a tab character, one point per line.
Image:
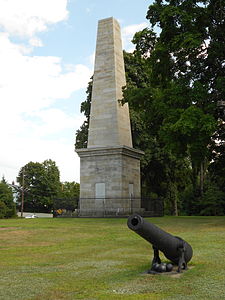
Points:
109	166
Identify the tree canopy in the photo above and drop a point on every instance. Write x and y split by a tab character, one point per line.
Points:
67	198
41	183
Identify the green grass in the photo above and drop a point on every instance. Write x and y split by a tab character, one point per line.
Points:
102	259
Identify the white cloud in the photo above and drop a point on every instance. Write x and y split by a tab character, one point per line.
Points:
32	127
17	152
25	18
34	124
29	83
52	121
35	42
128	33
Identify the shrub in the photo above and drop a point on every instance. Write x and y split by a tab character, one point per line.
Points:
7	206
213	201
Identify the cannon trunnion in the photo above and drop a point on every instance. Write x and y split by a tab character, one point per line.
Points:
174	248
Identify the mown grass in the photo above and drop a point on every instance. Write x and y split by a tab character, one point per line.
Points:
102	259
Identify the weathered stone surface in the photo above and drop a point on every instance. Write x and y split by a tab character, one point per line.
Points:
109	166
109	121
117	168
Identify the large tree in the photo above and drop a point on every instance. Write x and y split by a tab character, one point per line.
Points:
162	172
40	183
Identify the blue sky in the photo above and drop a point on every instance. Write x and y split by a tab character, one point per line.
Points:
46	59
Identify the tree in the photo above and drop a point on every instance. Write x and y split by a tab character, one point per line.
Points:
67	198
7	206
160	169
41	185
192	36
186	81
70	190
216	170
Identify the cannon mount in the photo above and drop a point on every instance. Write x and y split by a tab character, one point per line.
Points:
178	251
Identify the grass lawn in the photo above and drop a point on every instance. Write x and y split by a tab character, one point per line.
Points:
102	259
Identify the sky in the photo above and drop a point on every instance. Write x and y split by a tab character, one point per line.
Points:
46	60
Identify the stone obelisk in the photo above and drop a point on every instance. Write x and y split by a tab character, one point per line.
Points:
109	166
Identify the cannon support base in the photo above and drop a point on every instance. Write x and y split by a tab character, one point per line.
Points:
182	265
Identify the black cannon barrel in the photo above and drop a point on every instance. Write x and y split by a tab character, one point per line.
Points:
160	239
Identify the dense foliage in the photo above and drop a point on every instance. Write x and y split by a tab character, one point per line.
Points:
67	199
7	206
41	183
41	186
180	105
176	91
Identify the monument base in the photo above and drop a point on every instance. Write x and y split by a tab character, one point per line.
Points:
109	181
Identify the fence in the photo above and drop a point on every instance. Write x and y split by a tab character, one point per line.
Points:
116	207
108	207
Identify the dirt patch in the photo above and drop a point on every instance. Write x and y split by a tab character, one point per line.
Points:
14	235
9	228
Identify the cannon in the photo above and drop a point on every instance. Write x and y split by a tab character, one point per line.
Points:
178	251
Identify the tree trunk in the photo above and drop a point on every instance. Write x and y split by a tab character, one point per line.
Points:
173	198
175	207
202	178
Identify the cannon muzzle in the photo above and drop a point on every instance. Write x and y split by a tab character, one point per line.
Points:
174	248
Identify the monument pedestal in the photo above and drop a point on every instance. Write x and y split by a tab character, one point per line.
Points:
109	181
